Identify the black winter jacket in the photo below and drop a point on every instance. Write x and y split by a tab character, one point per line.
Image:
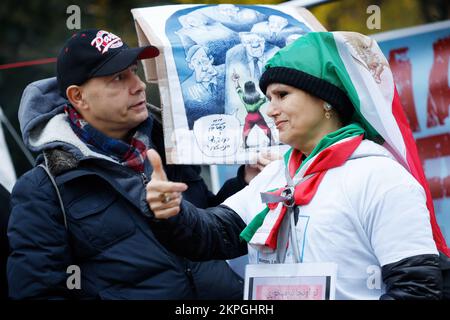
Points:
109	235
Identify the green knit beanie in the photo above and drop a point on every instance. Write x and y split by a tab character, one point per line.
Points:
309	64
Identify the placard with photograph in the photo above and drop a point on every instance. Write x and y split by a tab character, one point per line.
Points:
295	281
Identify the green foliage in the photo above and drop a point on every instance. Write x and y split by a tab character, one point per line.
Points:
351	15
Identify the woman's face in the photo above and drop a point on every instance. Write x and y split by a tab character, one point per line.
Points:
299	116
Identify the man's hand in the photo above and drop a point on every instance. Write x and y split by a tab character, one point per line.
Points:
163	196
264	158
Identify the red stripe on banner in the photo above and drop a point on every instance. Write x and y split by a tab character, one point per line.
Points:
428	146
415	166
27	63
432	147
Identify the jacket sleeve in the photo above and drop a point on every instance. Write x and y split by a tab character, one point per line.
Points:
413	278
39	256
202	234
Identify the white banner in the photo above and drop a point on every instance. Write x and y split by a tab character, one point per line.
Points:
420	61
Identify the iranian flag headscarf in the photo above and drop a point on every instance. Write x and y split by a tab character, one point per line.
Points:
349	71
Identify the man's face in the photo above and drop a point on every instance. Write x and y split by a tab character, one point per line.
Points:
194	21
115	104
254	45
202	66
277	23
228	9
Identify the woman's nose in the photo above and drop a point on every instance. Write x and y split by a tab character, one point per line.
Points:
271	110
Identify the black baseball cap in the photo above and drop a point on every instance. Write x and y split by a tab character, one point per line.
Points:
95	53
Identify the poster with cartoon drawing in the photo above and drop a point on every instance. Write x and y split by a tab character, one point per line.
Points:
212	57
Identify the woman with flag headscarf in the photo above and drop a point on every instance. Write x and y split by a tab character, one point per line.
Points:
351	190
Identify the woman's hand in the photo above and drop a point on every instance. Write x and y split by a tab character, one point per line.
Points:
163	196
264	158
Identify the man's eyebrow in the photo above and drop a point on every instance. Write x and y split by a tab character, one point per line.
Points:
134	65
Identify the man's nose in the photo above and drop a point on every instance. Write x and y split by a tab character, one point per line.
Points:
138	84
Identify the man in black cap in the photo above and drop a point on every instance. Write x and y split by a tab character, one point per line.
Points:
94	239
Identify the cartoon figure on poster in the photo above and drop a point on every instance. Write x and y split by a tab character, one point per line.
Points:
276	30
237	18
201	92
217	48
199	29
252	101
247	60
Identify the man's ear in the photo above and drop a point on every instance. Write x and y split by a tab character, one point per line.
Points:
75	96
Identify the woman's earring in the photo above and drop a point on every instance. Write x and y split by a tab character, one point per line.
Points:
327	108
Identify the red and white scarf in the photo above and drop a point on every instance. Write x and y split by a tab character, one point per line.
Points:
305	176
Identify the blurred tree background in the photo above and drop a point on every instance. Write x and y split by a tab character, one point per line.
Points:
395	14
31	30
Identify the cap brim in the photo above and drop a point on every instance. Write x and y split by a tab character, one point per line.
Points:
124	59
148	52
